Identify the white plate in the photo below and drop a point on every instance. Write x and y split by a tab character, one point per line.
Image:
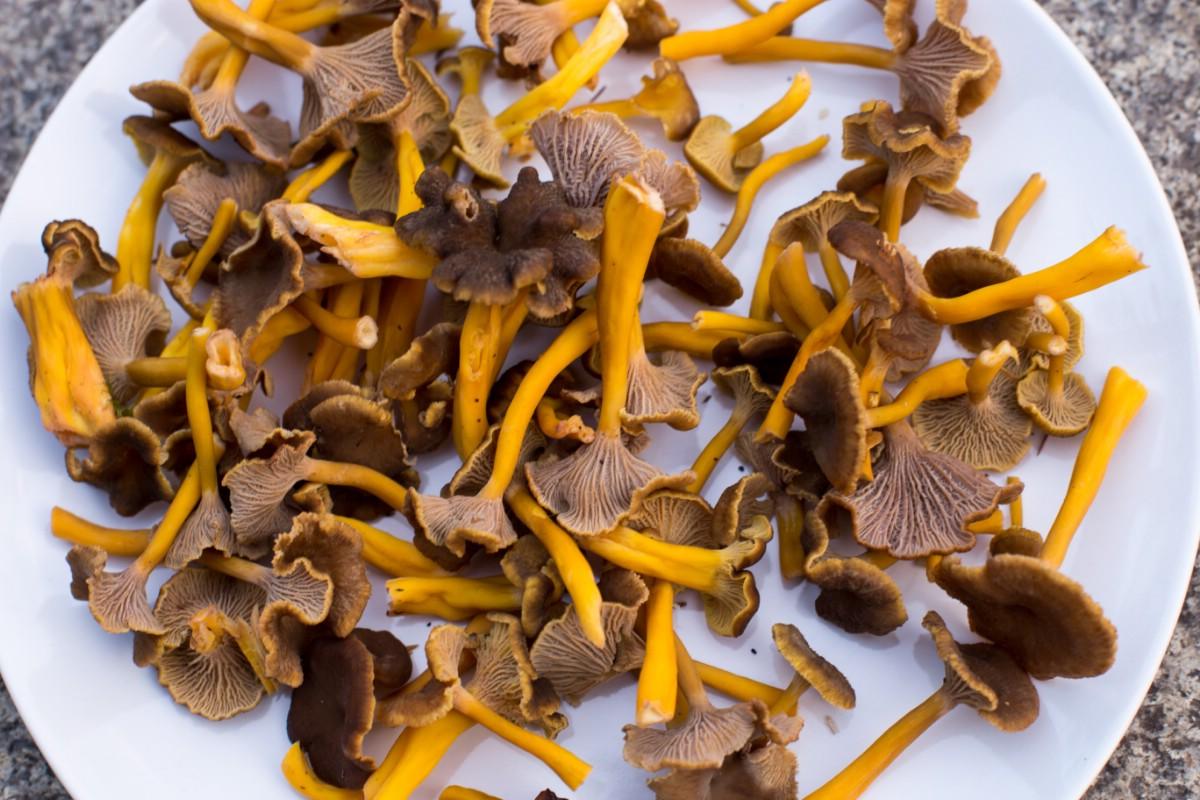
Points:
110	731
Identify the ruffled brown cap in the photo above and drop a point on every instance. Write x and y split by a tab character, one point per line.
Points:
694	269
769	353
195	197
125	459
827	397
908	144
258	490
811	667
1064	413
73	248
120	327
585	151
958	270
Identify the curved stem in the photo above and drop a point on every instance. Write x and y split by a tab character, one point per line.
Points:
135	242
835	273
774	115
760	300
717	446
985	367
464	793
300	776
255	36
199	418
339	473
342	301
754	182
783	304
278	328
738	687
693	567
683	337
391	554
185	500
710	320
734	38
413	756
160	372
452	598
852	781
400	302
1120	401
222	223
1053	311
476	366
303	185
114	541
239	568
657	682
790	696
357	332
1006	224
689	678
891	212
936	383
791	48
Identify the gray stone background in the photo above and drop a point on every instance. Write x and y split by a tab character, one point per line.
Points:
1147	51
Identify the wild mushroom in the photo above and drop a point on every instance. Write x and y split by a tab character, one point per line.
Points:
527	32
125	459
649	24
956	271
826	396
586	151
751	397
594	488
985	427
1043	618
65	376
737	37
665	96
981	676
166	152
1007	222
811	671
725	156
1057	400
478	140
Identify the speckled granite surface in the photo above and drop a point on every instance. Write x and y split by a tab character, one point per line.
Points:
1147	51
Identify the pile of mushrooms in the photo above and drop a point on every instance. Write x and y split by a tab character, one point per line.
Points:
555	558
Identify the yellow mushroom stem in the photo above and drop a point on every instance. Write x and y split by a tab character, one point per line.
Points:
697	568
482	350
657	679
791	48
874	374
277	329
690	684
985	367
774	115
1119	403
791	270
435	38
835	273
160	372
222	224
241	569
256	36
707	320
760	299
708	458
413	756
341	301
600	46
749	8
1006	224
390	554
303	185
738	687
465	793
734	38
852	781
789	524
357	332
936	383
891	208
209	627
199	418
573	567
337	473
197	71
754	182
1016	509
300	776
365	249
1055	347
135	241
1053	311
783	305
683	337
400	304
991	524
181	506
452	598
114	541
555	423
1109	257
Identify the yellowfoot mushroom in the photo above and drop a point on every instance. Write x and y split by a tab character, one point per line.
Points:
665	95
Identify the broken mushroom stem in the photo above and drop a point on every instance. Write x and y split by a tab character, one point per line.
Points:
735	38
1055	347
936	383
1119	403
358	332
709	320
985	367
392	555
555	423
1007	222
487	333
451	597
791	48
739	687
114	541
656	688
300	776
304	184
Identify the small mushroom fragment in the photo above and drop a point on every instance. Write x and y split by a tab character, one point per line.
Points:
811	670
981	676
1058	401
65	376
649	24
665	95
725	156
125	459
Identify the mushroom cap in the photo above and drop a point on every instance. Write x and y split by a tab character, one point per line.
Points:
663	392
260	278
694	269
961	683
955	271
729	608
739	509
827	397
676	517
195	196
74	255
882	276
898	23
1058	414
810	223
769	353
751	395
1074	334
526	32
598	486
894	515
152	135
389	657
480	144
257	490
505	678
164	412
258	433
936	71
649	24
188	592
677	187
432	354
216	684
124	459
117	600
332	711
527	566
215	111
709	150
451	522
585	151
956	202
471	477
1042	618
665	94
207	526
907	143
827	679
991	435
701	741
426	422
563	654
1016	541
120	327
796	463
298	416
764	772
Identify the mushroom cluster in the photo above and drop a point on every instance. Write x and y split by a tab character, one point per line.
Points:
556	557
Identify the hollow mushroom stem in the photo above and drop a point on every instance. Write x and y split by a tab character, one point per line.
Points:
791	48
1006	224
390	554
1055	347
487	333
344	301
135	241
754	182
708	320
303	185
573	567
452	598
357	332
738	687
300	776
114	541
760	299
734	38
413	756
936	383
1120	401
199	418
985	367
657	684
852	781
1053	311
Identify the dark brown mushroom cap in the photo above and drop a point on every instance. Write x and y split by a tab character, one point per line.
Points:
827	397
215	111
431	355
74	255
881	286
908	144
598	486
563	655
392	664
527	566
164	412
703	740
649	24
990	435
1016	541
1045	620
895	516
426	421
332	711
85	562
734	515
124	459
258	489
770	353
258	433
120	327
956	271
298	415
827	679
694	269
961	684
709	150
260	278
1063	413
764	772
152	136
194	198
664	391
810	223
585	151
794	461
751	395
